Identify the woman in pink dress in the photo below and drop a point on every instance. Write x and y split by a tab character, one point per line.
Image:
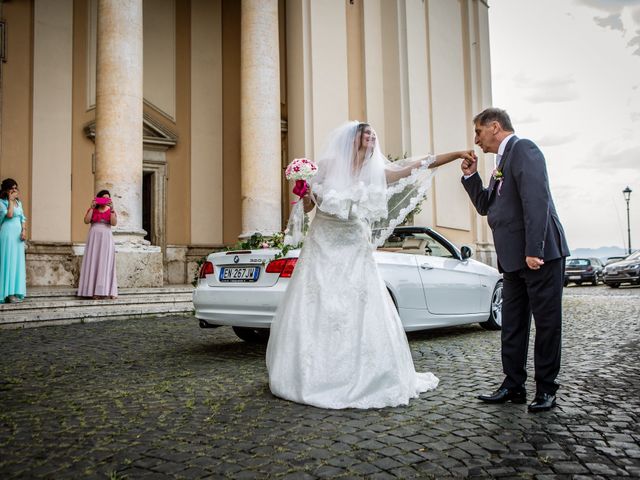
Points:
98	273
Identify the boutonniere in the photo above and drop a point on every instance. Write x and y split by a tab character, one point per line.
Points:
498	176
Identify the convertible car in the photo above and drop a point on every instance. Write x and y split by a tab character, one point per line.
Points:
431	282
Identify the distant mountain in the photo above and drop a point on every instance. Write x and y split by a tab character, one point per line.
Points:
601	252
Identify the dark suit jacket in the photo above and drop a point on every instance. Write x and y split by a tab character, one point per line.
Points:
520	212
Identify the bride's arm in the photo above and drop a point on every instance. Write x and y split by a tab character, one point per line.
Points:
440	159
444	158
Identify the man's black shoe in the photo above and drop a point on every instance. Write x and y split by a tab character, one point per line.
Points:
502	395
542	402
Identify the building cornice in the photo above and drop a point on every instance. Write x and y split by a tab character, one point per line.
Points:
153	133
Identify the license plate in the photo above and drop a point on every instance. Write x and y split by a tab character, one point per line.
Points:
575	277
239	274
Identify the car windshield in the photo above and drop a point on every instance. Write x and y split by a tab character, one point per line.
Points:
634	256
578	262
417	243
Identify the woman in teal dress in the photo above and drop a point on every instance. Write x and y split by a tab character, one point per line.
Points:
13	284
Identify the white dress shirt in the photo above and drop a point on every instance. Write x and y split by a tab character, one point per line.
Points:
503	145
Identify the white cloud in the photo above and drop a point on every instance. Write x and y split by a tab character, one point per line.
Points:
635	41
609	5
613	22
524	119
529	81
559	93
613	156
558	88
554	140
626	158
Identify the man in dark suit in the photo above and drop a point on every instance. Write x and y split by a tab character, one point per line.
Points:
531	250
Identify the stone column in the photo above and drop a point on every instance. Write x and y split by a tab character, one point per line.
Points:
119	111
260	117
118	162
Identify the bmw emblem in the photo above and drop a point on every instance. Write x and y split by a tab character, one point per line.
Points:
236	259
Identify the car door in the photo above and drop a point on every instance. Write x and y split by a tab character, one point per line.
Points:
450	285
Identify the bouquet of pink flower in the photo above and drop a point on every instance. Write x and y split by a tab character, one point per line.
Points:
300	170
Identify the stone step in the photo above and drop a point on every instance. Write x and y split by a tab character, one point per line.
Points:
45	306
74	302
55	291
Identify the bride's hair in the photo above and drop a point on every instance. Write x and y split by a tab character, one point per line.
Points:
359	131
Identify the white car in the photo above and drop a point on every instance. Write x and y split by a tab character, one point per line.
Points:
431	282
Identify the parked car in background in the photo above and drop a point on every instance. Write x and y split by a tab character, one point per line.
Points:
623	271
431	282
579	270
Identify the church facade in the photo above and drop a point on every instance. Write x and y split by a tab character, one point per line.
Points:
189	110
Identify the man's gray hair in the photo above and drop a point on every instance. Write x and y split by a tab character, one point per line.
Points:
494	115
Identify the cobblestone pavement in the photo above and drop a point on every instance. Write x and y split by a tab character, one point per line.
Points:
161	398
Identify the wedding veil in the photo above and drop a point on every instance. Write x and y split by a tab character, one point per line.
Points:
372	188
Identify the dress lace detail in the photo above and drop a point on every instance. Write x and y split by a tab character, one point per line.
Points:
367	202
380	236
411	179
337	340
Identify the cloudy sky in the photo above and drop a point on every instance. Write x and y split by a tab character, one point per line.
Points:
568	73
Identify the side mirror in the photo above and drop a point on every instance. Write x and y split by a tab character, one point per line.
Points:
466	252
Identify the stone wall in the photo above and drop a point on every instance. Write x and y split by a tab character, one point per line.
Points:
59	263
53	263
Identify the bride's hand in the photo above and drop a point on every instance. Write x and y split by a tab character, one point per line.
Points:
307	201
469	164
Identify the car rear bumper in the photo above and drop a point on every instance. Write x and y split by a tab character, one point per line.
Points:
231	305
579	276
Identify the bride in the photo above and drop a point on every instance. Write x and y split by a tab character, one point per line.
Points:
336	339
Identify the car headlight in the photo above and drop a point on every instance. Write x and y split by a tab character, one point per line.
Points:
634	266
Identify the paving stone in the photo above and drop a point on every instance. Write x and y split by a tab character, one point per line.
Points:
405	472
390	452
327	471
371	445
342	461
500	471
633	453
570	467
386	463
430	469
364	469
408	446
383	476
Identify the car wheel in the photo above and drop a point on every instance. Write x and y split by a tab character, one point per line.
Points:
494	322
252	335
566	283
579	282
614	285
595	280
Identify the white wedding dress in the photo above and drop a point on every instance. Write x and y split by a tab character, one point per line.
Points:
337	340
